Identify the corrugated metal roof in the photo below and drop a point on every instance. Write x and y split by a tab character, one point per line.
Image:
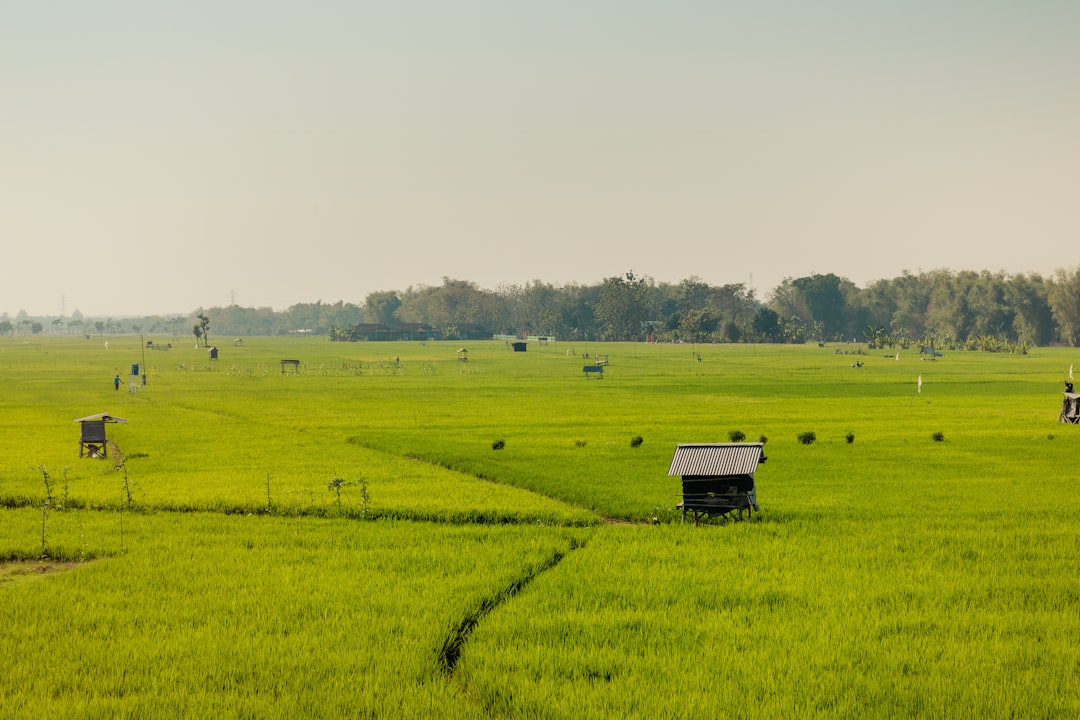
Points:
101	416
716	459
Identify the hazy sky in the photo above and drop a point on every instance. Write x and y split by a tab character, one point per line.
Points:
157	157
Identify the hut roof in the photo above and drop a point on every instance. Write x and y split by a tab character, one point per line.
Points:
716	459
101	416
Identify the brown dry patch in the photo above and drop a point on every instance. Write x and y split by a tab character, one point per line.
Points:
24	570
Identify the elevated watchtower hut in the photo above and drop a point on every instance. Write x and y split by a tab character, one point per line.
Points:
92	441
1070	408
717	478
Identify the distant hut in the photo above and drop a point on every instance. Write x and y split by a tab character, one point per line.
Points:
462	355
92	441
717	478
1070	408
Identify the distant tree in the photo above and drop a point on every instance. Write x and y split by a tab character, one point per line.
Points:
533	307
198	332
1033	321
991	315
734	302
36	327
826	303
456	302
694	294
575	316
766	324
338	333
623	306
947	308
204	329
379	307
787	301
698	324
731	332
1064	298
6	328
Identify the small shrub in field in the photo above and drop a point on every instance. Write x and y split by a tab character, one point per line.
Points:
736	435
498	445
938	436
850	437
762	439
808	438
579	443
636	441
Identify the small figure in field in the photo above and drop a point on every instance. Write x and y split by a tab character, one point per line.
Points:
116	382
1068	387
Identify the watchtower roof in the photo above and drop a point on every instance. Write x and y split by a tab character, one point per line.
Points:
104	417
716	459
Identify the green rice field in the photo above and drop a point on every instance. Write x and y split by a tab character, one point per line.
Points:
346	541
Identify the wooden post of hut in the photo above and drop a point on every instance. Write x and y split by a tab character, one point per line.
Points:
717	478
92	440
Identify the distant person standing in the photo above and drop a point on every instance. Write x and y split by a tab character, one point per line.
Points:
116	382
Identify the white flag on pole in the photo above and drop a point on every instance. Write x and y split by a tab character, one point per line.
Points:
918	385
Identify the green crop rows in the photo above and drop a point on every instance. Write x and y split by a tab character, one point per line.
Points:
348	541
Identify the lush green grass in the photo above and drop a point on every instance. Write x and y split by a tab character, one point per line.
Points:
250	616
894	575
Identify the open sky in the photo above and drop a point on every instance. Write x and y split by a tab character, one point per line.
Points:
156	157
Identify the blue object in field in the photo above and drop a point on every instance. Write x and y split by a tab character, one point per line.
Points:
135	369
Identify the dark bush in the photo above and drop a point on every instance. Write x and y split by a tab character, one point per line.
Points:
850	437
636	441
938	436
736	435
808	438
498	445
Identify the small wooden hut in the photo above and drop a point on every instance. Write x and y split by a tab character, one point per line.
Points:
717	478
92	441
1070	408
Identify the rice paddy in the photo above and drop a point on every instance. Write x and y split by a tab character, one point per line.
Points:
347	541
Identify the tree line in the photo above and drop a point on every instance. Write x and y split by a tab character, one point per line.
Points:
941	308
